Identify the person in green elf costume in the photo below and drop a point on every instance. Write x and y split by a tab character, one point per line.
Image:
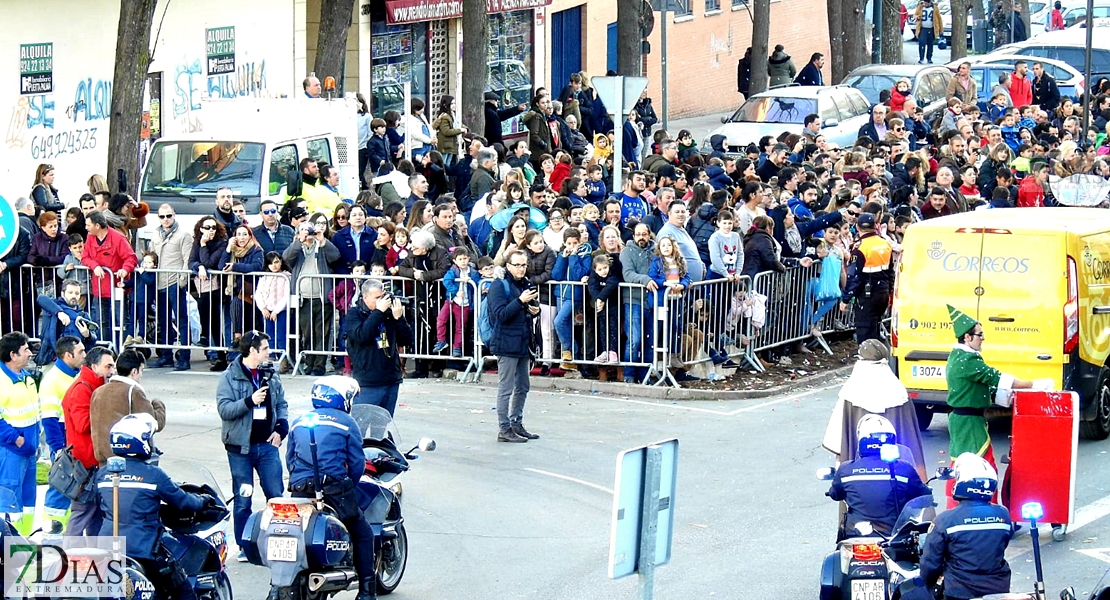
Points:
973	385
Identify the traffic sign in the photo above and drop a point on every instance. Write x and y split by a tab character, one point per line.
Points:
620	94
643	510
9	227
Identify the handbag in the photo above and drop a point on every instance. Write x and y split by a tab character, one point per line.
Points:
71	478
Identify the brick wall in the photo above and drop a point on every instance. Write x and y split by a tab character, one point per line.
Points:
702	51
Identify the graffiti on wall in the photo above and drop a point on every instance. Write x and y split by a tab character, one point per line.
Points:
191	85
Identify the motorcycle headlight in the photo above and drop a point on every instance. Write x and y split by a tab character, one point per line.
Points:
395	487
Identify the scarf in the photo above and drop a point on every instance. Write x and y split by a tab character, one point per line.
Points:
237	254
166	234
794	240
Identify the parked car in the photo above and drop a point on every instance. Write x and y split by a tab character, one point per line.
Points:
929	83
1065	46
990	66
1073	11
843	110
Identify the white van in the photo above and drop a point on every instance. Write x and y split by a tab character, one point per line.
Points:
249	146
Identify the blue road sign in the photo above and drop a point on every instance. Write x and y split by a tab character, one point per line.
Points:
9	227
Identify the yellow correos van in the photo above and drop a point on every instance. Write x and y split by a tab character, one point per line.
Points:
1038	279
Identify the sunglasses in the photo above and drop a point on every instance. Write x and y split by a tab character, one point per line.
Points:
165	216
899	129
854	213
208	228
270	211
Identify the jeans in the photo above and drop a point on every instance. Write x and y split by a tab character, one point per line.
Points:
637	337
143	296
512	382
925	41
823	306
564	324
277	331
384	396
171	302
264	459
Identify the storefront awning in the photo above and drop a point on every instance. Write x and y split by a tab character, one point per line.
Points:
416	11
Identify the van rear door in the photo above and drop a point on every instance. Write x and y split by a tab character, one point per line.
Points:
1023	282
939	266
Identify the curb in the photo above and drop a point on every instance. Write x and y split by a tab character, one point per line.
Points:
669	393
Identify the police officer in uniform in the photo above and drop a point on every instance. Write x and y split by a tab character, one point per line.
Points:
866	486
142	489
870	279
967	545
340	463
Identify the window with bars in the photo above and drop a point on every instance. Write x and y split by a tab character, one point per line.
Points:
738	4
684	8
712	5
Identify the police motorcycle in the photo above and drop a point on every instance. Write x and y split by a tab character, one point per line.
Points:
308	549
866	564
197	540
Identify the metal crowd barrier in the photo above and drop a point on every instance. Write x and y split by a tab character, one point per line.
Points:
322	302
22	311
712	322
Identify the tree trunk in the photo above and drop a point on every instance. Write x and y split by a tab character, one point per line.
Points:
848	40
475	73
128	82
891	49
959	29
761	33
836	39
629	50
331	44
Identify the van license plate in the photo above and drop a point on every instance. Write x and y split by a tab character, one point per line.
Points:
869	589
283	549
928	371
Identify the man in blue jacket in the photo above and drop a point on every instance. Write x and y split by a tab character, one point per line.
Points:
340	464
513	308
811	73
62	317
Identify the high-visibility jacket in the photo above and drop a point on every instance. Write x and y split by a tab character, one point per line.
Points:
51	391
19	412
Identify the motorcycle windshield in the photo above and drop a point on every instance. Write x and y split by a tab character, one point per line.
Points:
375	423
918	510
195	474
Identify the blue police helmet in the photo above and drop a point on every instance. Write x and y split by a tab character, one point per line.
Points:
976	479
133	436
874	432
334	391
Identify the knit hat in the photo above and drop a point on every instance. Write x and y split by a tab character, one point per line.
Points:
961	323
873	350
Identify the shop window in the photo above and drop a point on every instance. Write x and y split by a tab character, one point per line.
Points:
510	62
398	56
320	151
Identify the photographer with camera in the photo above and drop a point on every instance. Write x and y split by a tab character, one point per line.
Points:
251	403
513	305
376	328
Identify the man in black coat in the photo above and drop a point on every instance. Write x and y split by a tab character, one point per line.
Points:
376	329
1045	92
811	73
513	305
744	73
494	117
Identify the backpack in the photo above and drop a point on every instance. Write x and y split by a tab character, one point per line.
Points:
485	327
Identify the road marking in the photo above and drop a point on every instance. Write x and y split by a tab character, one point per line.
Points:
726	413
571	479
1084	515
1102	554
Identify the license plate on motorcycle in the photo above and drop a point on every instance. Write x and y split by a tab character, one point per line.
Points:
284	549
869	589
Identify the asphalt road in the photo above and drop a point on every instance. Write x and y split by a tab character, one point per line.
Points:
532	521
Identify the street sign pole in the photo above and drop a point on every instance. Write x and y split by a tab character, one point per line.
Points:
649	521
663	65
618	134
619	94
406	109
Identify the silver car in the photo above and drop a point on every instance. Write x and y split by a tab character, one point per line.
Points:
843	110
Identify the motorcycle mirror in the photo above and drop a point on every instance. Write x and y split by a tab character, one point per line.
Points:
825	474
246	490
945	473
1067	593
426	444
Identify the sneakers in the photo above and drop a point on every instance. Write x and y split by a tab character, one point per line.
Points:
161	363
518	428
456	352
602	358
242	557
612	356
683	375
439	347
133	340
816	331
511	437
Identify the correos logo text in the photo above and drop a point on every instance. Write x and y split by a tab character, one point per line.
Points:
951	261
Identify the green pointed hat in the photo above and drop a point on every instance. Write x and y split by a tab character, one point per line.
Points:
961	323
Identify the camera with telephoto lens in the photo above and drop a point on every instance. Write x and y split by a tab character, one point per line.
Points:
405	301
